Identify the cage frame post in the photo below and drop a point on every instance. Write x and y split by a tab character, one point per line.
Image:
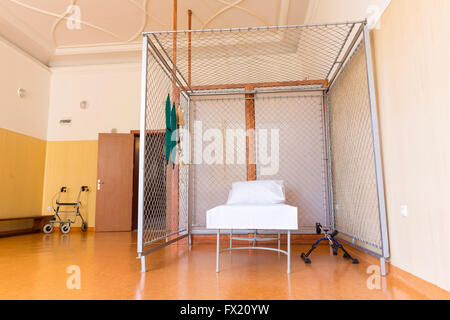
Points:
188	129
377	150
143	115
329	174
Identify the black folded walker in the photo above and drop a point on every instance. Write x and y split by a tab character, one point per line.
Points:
334	244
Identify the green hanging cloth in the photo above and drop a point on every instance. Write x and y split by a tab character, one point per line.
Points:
168	126
173	128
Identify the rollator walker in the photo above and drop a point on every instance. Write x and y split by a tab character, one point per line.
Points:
64	225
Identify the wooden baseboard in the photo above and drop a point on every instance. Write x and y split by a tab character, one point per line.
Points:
19	232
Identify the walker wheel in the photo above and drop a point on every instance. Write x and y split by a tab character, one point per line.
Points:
48	228
65	228
84	226
355	261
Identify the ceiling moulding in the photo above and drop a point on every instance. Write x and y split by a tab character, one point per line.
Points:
98	49
96	58
311	11
22	32
284	12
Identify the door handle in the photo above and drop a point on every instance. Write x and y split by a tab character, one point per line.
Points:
99	183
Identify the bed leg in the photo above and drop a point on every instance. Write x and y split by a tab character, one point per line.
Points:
278	240
289	252
217	250
143	267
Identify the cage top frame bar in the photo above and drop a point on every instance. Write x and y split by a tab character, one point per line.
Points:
257	28
337	62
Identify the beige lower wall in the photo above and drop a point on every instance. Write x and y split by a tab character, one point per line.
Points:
411	50
71	164
22	162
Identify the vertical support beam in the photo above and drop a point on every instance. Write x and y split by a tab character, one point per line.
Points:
377	148
326	160
173	173
140	234
231	239
279	240
143	266
217	250
174	46
189	47
187	113
250	127
289	252
187	159
329	162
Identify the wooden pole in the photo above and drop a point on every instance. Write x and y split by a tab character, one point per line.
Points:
174	50
189	47
250	126
173	172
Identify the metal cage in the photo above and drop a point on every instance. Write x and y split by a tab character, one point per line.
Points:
312	83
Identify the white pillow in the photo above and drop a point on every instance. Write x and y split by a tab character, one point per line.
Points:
257	192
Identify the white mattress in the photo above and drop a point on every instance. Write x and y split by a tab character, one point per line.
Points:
261	217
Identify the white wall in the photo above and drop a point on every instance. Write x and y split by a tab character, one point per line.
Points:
329	11
26	115
411	51
112	93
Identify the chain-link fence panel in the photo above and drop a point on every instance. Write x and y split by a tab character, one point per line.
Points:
355	197
290	147
218	152
165	181
251	55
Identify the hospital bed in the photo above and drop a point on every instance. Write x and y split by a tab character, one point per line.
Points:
254	205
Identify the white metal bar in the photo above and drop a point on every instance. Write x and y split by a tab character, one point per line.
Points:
383	266
142	151
360	239
254	248
230	93
329	162
376	145
173	64
347	53
339	53
289	252
256	28
253	239
143	266
188	164
164	244
217	250
160	59
166	237
279	242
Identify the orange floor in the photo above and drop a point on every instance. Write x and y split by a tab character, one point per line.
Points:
34	267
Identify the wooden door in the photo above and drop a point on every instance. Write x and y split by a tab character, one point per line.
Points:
115	182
